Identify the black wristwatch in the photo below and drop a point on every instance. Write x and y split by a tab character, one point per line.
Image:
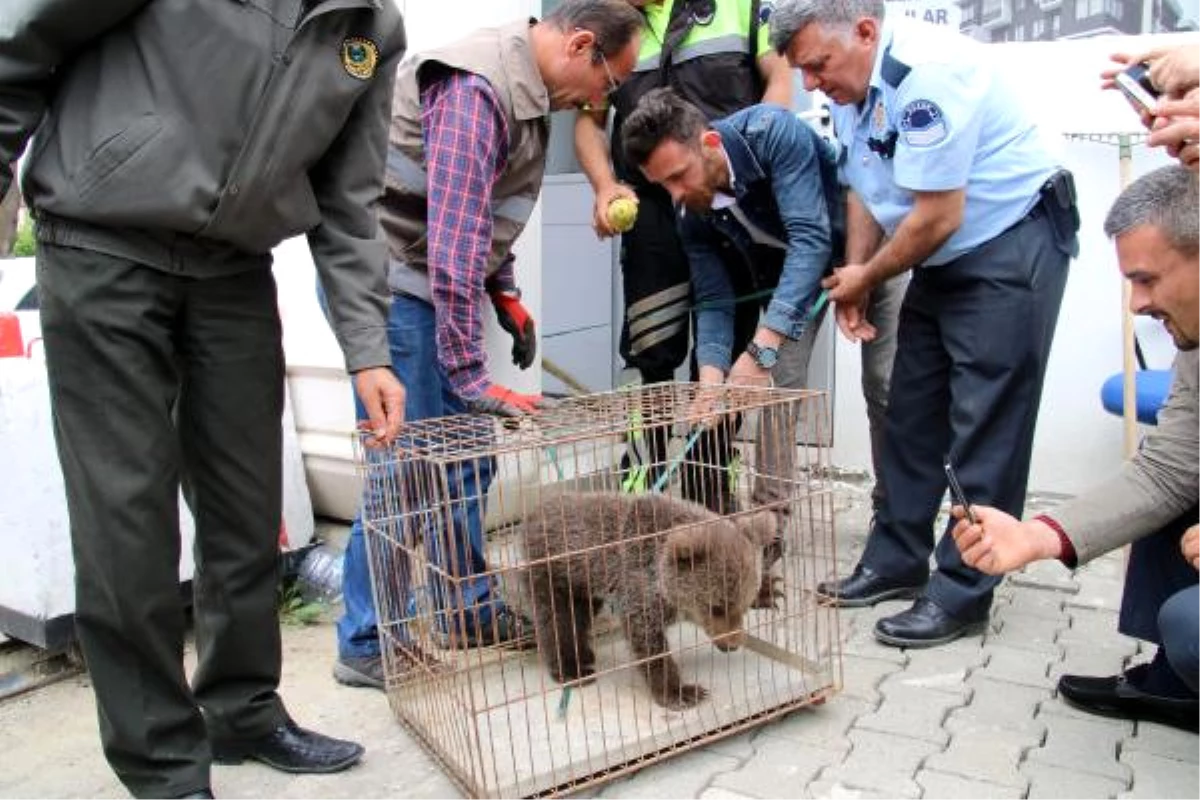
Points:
765	357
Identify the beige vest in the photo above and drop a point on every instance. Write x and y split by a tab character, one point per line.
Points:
504	57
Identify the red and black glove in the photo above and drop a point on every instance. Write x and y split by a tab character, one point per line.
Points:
504	402
515	319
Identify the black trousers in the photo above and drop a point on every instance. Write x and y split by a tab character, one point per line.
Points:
158	380
657	284
974	339
1162	597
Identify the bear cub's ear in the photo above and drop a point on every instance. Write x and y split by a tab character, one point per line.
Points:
760	527
689	546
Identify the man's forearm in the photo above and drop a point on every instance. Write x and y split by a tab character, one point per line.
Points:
591	150
863	233
926	228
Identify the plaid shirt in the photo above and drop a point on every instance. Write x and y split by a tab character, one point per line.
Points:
466	150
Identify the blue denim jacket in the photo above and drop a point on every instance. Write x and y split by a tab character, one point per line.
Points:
785	182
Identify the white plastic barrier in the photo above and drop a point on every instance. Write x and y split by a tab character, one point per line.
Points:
37	593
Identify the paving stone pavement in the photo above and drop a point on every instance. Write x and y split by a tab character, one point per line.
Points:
977	718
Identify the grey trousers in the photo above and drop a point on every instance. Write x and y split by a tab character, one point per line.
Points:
158	380
776	451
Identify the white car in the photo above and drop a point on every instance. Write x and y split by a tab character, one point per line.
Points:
18	294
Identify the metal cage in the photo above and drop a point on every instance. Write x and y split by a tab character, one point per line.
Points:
578	515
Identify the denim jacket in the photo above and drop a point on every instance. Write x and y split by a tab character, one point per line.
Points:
785	183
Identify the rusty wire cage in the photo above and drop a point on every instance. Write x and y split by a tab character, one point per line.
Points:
655	552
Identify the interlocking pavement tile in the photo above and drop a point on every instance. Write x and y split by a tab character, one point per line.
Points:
1050	605
1083	659
879	765
1010	665
825	725
862	676
1025	631
1000	706
1049	781
1087	745
685	775
911	711
1162	741
859	633
739	746
942	669
1154	776
778	768
1056	706
1048	575
716	793
993	756
942	785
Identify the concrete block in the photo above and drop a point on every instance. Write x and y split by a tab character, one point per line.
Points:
999	706
1010	665
716	793
936	784
1025	631
1050	605
825	725
992	756
1154	776
1048	781
879	765
778	768
912	711
942	669
1086	745
1161	741
739	746
1083	658
1047	575
861	676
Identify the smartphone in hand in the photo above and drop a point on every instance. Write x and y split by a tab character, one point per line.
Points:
1134	83
956	492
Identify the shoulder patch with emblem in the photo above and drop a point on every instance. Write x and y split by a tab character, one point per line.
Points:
359	57
764	12
923	124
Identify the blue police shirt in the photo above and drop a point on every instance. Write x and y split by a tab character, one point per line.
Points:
953	122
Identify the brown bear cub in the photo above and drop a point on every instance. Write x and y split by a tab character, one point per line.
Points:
654	560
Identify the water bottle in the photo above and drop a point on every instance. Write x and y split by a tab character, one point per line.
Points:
320	576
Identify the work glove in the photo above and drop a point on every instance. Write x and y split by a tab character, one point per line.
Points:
515	319
504	402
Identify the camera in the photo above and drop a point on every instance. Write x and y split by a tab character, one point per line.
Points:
1134	83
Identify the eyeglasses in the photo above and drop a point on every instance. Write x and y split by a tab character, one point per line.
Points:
613	85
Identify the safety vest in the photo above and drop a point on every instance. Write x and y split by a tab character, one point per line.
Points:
504	57
714	65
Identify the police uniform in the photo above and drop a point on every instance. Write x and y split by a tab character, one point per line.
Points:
714	66
978	319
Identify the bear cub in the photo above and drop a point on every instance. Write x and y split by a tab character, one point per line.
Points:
706	569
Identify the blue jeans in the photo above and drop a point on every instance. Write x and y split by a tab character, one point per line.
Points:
411	338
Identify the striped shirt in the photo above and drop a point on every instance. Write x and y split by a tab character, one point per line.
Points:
466	151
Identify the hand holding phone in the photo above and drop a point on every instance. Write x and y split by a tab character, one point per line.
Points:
956	492
1134	83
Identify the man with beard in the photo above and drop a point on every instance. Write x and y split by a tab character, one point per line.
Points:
1152	501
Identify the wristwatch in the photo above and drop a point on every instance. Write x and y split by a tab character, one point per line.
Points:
765	357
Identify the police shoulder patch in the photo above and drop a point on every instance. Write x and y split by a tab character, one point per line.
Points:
359	57
923	124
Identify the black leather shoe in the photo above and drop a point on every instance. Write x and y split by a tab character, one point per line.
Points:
926	624
290	748
865	587
1117	696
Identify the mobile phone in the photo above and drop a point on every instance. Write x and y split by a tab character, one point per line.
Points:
1134	83
956	492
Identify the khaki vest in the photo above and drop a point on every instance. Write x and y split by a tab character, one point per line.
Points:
504	57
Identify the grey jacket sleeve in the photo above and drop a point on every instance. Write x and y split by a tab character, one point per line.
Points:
349	246
1155	487
35	37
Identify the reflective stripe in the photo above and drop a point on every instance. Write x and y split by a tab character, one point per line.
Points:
406	172
653	301
651	339
732	43
515	208
756	233
653	319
